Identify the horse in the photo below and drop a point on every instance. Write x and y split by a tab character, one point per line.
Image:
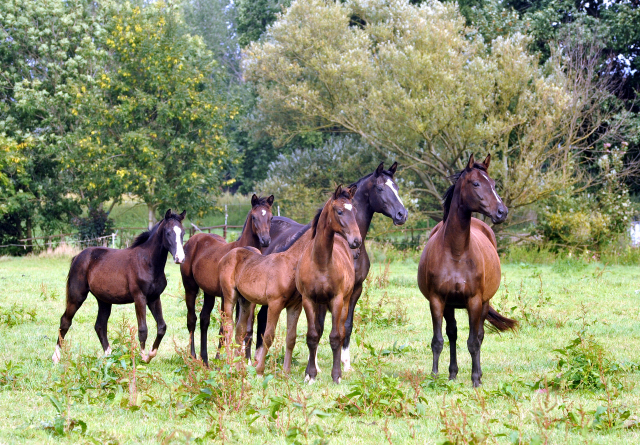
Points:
325	274
203	252
459	266
248	277
376	192
121	276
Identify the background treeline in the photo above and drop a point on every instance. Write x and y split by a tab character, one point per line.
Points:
171	103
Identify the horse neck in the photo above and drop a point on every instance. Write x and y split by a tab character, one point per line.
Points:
322	250
457	227
157	251
364	212
247	237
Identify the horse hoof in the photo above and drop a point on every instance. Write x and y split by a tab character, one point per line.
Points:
347	367
56	355
308	379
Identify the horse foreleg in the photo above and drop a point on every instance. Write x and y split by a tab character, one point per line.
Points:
205	319
104	311
348	327
293	315
156	310
312	339
140	303
321	315
437	308
336	338
476	310
452	335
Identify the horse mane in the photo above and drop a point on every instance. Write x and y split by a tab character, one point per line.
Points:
293	239
448	195
314	223
144	236
365	177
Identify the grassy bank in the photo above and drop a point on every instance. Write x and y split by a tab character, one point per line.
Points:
389	397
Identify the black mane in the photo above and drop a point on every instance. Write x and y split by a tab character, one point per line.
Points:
448	195
314	223
144	236
364	178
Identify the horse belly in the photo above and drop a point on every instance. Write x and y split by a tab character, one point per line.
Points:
110	287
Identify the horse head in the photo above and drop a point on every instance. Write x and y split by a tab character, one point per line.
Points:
383	194
478	191
261	218
173	234
341	215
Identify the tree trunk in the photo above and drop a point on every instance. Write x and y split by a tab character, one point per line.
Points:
152	215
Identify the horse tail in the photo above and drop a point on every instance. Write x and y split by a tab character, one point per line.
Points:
499	322
69	275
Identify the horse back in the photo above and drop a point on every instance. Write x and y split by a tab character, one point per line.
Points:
107	273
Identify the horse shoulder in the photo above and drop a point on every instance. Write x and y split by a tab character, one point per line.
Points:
485	229
436	229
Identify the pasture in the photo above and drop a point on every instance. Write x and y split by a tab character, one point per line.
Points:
527	396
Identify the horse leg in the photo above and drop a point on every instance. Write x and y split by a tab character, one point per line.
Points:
437	308
77	291
190	295
476	308
312	339
336	338
293	314
205	319
248	336
243	311
156	310
275	307
140	303
348	327
104	311
452	335
321	315
262	325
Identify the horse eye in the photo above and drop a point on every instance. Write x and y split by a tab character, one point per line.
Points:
476	184
339	212
380	188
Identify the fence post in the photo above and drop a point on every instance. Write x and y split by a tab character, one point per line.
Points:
113	240
278	210
226	217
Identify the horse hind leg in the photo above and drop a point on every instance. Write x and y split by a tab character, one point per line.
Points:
452	335
205	320
77	291
104	311
156	310
190	296
476	310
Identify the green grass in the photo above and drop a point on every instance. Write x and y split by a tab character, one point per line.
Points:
391	365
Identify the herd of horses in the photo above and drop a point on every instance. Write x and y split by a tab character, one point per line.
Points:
281	264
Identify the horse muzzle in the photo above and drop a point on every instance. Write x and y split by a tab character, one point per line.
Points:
178	259
355	243
500	215
401	217
264	241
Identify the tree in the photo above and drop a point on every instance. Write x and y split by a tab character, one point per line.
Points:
417	83
159	121
48	53
253	17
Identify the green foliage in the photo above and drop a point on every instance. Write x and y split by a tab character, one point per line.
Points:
254	16
96	224
17	315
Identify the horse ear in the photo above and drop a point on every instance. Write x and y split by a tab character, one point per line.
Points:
254	200
168	214
338	192
471	162
182	215
270	200
487	161
380	169
393	168
352	190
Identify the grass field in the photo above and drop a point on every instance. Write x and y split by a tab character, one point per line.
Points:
389	397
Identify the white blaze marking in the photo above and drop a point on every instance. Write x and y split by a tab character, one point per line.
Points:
348	207
56	355
492	188
264	212
395	192
179	251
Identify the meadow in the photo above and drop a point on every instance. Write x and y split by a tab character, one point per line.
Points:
568	375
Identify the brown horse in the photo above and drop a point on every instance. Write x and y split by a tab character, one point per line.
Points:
460	268
200	268
325	274
121	276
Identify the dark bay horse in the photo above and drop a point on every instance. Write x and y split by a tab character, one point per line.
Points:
460	268
325	274
376	193
203	252
121	276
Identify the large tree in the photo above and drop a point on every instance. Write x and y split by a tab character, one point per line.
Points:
416	82
158	123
